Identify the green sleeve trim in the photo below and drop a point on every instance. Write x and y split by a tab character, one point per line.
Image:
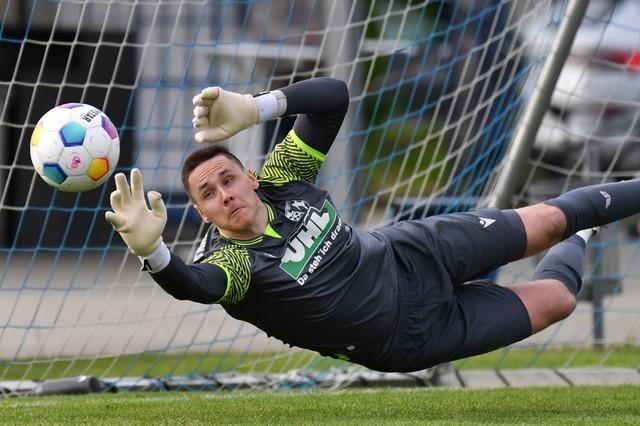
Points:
306	148
235	261
291	160
228	289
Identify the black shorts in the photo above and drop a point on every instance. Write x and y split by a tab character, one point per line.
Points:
443	314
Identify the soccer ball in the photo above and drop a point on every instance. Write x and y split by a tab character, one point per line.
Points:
75	147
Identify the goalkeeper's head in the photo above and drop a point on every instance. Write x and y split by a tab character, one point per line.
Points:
223	191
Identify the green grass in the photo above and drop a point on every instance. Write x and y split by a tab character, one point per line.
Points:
155	365
570	405
627	356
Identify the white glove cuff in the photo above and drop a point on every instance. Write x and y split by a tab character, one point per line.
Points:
270	105
157	260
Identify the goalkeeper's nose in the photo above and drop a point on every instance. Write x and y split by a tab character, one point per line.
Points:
226	198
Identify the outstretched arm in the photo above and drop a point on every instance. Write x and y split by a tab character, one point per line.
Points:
141	229
202	282
322	103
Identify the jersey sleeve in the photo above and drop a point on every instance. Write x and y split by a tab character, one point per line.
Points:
235	262
291	160
321	105
223	277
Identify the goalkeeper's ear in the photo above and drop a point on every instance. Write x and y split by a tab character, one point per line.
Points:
202	216
253	178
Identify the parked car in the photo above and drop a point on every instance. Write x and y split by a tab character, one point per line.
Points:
597	97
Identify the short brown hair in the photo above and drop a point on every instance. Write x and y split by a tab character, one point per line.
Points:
200	156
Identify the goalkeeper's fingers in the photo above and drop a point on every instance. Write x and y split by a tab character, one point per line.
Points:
200	122
137	190
210	94
122	186
200	117
211	135
207	96
157	205
200	111
115	220
116	201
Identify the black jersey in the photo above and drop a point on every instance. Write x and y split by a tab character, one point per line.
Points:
389	299
310	280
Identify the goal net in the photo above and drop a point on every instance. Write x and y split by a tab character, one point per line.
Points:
437	89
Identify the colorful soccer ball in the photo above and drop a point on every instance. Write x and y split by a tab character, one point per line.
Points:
75	147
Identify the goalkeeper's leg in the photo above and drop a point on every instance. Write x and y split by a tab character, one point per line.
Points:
482	316
493	316
554	220
557	279
551	296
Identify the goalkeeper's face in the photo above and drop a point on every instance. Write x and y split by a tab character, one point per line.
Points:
224	194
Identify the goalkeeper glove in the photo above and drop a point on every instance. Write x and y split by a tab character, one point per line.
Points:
220	114
140	228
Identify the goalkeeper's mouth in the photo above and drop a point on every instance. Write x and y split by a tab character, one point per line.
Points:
234	211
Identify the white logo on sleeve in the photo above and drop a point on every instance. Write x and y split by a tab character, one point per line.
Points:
607	199
486	222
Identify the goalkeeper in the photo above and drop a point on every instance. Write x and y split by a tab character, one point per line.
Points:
400	298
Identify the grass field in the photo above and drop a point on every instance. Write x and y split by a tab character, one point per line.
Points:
571	405
567	405
162	365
